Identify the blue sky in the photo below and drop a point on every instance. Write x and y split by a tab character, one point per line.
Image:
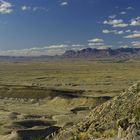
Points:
39	27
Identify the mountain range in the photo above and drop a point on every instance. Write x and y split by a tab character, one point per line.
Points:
100	53
83	53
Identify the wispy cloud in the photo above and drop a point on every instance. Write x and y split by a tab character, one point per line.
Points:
77	45
51	50
98	43
124	46
130	8
29	8
123	13
136	44
135	21
37	51
39	9
56	46
116	23
96	40
135	34
64	3
128	31
112	16
106	31
96	46
5	7
25	8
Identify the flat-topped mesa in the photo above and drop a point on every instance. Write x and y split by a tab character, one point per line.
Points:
102	122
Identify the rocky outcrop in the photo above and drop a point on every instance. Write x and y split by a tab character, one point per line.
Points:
105	120
129	131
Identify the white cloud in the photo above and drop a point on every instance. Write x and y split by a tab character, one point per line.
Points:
124	46
123	13
119	32
100	46
25	8
128	31
39	9
98	43
96	40
56	46
112	16
136	44
5	7
95	44
37	51
64	3
135	34
29	8
115	23
51	50
135	22
106	31
130	8
77	45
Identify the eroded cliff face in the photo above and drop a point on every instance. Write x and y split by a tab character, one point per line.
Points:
117	118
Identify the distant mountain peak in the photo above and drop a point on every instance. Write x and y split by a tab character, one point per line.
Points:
93	52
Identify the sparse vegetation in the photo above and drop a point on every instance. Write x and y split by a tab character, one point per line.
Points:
136	113
91	76
60	92
109	133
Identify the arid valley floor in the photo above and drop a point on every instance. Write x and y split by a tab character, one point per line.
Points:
40	95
